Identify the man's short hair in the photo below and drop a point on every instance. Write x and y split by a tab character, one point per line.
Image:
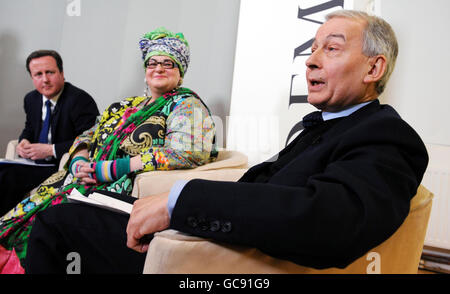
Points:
42	53
378	39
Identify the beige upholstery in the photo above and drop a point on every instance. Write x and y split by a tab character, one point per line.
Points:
173	252
229	166
11	149
11	154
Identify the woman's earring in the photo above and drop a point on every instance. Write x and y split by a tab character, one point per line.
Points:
180	82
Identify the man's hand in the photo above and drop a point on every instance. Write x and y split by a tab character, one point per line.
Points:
20	148
34	151
37	151
149	215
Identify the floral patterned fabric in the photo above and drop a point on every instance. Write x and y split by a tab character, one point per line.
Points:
178	135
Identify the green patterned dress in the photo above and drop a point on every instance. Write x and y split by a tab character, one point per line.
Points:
178	134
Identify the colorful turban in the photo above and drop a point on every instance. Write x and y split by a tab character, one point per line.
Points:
164	42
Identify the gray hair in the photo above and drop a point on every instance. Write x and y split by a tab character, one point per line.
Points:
378	39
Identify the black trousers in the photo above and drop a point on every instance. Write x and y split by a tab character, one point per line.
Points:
78	238
16	180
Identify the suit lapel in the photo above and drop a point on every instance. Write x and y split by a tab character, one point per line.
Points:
57	111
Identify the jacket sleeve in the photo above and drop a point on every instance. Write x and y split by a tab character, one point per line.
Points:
359	198
28	131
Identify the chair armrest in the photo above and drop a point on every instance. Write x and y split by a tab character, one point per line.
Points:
229	166
227	159
63	160
156	182
11	149
174	252
11	153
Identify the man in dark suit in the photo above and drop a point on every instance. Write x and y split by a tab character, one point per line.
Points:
56	112
342	187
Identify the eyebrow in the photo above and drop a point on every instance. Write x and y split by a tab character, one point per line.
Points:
341	36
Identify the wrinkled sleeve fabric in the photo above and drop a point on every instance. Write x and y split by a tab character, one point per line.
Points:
356	192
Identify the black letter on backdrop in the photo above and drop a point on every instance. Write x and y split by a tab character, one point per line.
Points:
302	13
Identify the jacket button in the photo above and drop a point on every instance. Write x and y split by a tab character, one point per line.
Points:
192	222
214	226
226	227
203	224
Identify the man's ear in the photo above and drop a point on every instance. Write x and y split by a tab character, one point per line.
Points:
377	68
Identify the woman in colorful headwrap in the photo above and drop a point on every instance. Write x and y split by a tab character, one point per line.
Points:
170	129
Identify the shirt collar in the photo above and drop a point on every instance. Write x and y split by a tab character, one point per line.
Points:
345	112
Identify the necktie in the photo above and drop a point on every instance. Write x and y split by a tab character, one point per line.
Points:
312	119
43	136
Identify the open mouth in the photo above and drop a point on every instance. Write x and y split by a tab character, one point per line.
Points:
314	82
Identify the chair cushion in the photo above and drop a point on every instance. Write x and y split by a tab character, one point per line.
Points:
173	252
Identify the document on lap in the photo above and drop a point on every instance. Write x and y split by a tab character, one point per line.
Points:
104	199
23	161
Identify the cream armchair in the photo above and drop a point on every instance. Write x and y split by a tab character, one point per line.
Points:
11	149
11	153
229	166
177	253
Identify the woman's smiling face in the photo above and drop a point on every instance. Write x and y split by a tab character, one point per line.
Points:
160	79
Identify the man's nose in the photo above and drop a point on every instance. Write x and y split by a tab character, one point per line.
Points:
313	60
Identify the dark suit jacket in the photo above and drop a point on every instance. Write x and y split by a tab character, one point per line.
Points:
75	112
330	204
